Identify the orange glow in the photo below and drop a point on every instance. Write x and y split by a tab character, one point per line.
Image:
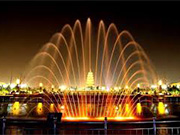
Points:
139	108
39	109
62	107
97	119
161	108
52	108
16	108
127	109
76	118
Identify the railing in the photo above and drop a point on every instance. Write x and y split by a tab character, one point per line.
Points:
131	131
152	128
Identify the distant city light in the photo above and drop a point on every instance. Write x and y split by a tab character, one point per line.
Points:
103	88
160	82
164	86
23	85
107	89
12	85
153	86
5	85
40	84
63	87
18	81
116	88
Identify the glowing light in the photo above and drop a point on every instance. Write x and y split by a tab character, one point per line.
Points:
139	108
103	88
12	85
16	108
127	109
90	79
160	82
5	85
41	85
97	119
122	118
62	107
52	86
161	108
23	85
39	109
18	81
126	87
63	87
116	88
52	108
76	118
138	85
167	111
164	86
107	89
153	86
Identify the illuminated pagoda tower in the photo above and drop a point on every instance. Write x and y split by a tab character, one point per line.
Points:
90	80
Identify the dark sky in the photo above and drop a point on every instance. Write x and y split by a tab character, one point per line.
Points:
26	26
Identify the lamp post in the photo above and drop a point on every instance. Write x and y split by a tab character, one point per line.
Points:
154	125
3	125
105	126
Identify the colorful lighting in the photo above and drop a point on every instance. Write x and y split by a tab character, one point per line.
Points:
97	119
16	108
41	85
12	85
139	108
161	108
18	81
23	85
52	109
127	109
63	87
39	109
153	86
103	88
160	82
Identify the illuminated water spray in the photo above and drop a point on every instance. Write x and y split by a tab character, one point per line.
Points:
89	66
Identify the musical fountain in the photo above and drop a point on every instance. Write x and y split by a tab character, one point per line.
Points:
89	74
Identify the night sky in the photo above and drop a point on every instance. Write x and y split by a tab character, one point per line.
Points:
26	26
